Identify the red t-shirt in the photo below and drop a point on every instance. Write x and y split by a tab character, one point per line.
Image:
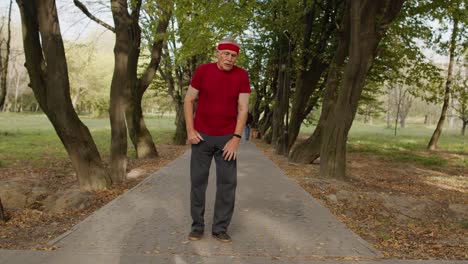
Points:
216	113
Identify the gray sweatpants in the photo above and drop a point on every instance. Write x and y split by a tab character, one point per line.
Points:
226	182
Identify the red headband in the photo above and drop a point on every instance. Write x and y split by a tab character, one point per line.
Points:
228	46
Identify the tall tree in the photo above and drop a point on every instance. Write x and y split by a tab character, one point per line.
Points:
4	61
314	58
48	73
139	133
365	23
156	17
460	93
453	14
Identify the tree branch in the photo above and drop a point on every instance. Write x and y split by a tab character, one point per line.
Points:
85	10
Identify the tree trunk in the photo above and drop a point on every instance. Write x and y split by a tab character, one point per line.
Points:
312	67
278	113
48	73
184	75
180	136
402	121
366	22
260	94
306	85
139	133
4	66
465	122
3	215
75	99
15	109
438	131
397	114
126	52
265	123
176	91
309	150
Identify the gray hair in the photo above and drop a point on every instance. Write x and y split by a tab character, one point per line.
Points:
229	40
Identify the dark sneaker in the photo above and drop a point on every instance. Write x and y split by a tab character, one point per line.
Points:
222	236
195	235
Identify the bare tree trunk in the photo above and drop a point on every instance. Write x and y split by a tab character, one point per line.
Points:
18	76
309	150
278	111
180	136
397	114
139	133
75	99
4	66
48	73
367	21
465	122
438	131
3	215
307	81
136	87
126	52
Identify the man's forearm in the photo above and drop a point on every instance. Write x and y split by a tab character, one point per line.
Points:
188	113
241	119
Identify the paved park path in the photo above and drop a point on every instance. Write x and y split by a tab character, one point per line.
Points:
275	221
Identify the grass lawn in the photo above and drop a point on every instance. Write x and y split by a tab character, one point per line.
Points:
409	144
31	137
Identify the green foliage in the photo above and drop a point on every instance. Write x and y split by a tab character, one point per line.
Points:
369	104
445	12
199	25
90	73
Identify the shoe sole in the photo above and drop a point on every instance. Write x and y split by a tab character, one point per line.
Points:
222	240
194	238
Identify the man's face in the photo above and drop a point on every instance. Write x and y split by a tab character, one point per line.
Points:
226	59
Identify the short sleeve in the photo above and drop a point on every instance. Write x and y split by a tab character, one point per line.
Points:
245	85
197	78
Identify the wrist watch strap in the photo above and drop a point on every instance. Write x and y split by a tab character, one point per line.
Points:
237	135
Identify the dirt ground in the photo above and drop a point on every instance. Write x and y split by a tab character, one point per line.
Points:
33	227
406	211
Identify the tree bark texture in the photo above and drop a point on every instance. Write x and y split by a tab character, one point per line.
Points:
178	79
438	131
126	52
139	133
184	75
48	73
309	150
180	136
312	66
367	22
279	109
4	62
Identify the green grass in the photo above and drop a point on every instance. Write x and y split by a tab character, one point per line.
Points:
31	137
408	146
